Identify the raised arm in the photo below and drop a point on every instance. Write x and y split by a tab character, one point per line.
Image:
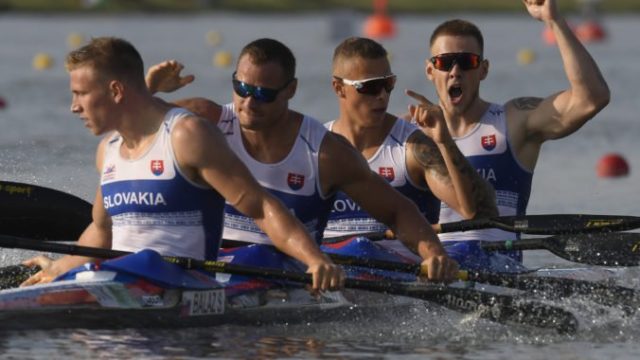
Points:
342	168
165	77
433	157
565	112
202	151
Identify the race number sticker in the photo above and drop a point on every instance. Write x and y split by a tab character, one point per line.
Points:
208	302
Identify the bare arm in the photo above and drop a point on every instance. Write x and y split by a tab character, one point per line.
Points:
97	234
165	77
346	170
565	112
435	157
451	178
201	148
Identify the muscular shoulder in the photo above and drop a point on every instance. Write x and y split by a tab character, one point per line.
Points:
518	111
340	162
193	128
337	149
519	108
202	107
525	103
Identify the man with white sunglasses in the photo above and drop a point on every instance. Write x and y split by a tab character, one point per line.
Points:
296	158
503	141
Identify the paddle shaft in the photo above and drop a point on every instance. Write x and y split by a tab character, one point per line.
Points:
607	294
551	224
495	307
34	211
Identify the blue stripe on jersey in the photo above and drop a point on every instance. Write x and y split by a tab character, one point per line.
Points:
308	209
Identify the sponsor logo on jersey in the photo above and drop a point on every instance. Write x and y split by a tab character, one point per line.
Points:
488	142
109	172
134	198
157	167
295	181
387	173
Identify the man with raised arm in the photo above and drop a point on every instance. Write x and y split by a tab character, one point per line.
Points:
165	173
422	162
503	141
296	158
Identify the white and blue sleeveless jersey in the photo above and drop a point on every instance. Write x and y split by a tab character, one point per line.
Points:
153	205
295	180
389	161
487	149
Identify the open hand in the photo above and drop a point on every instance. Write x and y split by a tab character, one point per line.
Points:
165	77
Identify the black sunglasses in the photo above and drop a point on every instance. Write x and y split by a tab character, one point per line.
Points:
259	93
372	86
466	61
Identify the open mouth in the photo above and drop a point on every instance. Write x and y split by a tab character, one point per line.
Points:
455	93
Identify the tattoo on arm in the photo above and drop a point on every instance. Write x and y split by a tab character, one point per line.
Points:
428	155
526	103
426	152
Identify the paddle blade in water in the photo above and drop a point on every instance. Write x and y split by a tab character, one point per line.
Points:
607	249
41	213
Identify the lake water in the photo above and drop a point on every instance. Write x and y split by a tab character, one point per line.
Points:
42	142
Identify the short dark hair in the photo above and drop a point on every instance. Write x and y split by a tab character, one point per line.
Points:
458	27
358	47
265	50
111	57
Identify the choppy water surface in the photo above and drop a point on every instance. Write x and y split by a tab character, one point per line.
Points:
41	142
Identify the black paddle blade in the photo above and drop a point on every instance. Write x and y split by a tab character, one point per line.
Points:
609	249
12	276
508	309
559	224
41	213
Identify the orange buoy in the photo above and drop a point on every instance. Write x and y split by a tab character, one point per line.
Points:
548	37
590	31
612	165
379	25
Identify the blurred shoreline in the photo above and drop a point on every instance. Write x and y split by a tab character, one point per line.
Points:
292	6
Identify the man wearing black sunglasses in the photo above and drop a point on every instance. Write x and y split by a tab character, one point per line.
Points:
165	173
427	168
296	158
503	141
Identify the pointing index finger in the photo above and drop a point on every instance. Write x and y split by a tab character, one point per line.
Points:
421	98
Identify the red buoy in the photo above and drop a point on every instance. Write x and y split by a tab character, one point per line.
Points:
379	25
612	165
590	31
3	104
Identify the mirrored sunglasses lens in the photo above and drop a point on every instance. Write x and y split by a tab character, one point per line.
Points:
242	89
444	62
265	94
262	94
468	61
374	87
